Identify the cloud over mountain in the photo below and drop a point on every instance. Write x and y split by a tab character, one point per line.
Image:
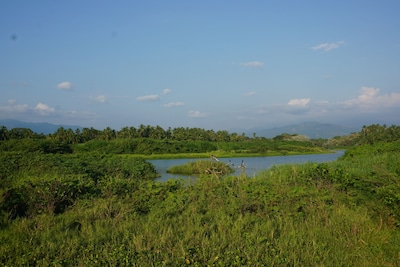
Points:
12	107
44	109
303	102
370	99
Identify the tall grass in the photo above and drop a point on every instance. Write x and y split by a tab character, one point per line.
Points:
343	213
201	167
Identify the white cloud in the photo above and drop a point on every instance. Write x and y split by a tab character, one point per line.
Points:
370	105
65	86
166	91
250	94
13	107
328	46
369	98
253	64
85	115
321	103
174	104
196	114
100	99
148	98
303	102
368	95
11	101
26	112
44	109
263	110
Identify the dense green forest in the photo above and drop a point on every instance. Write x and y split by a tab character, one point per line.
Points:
94	202
148	140
368	134
153	132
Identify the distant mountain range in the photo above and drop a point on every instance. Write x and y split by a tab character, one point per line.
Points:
312	130
37	127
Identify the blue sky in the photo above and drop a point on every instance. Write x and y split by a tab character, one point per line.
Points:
219	65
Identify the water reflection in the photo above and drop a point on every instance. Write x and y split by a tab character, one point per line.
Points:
252	164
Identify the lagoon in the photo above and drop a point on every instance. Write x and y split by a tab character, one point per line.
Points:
252	164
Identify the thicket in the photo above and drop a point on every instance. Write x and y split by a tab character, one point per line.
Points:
27	145
91	209
35	183
343	213
143	131
147	140
146	146
368	135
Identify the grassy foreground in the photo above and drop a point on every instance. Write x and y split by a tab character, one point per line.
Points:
344	213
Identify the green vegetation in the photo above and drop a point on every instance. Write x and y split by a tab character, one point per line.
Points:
64	206
153	142
36	183
148	147
202	167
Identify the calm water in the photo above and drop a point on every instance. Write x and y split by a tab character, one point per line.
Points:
253	164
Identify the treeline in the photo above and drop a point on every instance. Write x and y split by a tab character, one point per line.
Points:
153	132
368	135
146	140
379	133
147	146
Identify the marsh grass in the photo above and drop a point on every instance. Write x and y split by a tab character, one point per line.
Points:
201	167
195	226
343	213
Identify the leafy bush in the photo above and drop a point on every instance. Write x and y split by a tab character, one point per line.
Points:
35	145
35	183
37	196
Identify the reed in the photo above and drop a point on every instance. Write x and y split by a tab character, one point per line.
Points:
342	213
201	167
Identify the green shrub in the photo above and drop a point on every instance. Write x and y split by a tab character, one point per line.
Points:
44	195
35	145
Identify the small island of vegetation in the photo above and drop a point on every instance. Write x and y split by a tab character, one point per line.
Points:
199	167
89	198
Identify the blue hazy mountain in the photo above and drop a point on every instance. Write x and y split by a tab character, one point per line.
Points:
37	127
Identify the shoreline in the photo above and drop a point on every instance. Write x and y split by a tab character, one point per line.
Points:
222	154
